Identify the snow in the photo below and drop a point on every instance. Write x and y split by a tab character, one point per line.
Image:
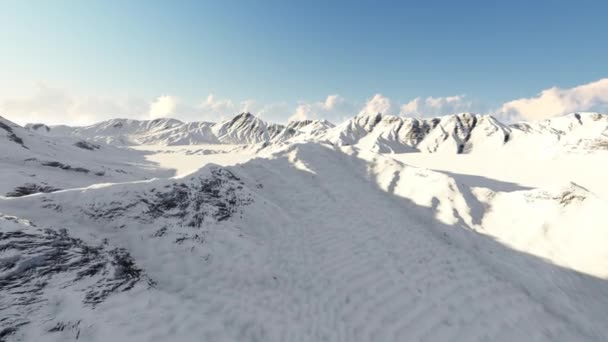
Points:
522	166
66	162
291	238
183	160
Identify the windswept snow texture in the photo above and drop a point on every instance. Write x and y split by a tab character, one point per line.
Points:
382	228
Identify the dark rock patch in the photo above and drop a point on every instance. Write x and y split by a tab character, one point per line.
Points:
31	188
38	126
40	259
11	135
65	166
180	208
87	145
460	149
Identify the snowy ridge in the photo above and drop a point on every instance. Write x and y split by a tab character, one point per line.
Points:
116	131
193	133
468	132
459	133
244	128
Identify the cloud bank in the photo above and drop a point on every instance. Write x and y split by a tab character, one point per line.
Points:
52	105
436	106
55	106
556	101
334	106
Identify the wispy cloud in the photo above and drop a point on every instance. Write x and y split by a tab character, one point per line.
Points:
215	108
436	106
334	106
53	105
218	108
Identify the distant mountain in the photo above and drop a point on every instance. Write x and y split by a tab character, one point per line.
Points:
468	132
193	133
244	128
458	133
116	131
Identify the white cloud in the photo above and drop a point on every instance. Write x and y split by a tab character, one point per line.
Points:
332	106
52	105
55	106
556	101
273	112
248	106
218	108
163	107
436	106
377	104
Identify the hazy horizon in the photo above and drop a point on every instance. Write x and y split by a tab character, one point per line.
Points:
70	62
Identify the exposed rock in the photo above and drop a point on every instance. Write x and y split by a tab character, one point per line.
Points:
42	261
31	188
11	134
87	145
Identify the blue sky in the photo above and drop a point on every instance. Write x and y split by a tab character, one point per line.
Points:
284	54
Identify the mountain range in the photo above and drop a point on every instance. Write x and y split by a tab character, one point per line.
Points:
459	133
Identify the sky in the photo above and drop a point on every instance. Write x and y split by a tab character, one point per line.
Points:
78	62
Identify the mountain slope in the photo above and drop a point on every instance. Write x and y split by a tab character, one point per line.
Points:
32	163
244	128
193	133
307	242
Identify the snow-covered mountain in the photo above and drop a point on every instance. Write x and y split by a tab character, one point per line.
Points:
244	128
122	132
305	231
193	133
468	132
459	133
